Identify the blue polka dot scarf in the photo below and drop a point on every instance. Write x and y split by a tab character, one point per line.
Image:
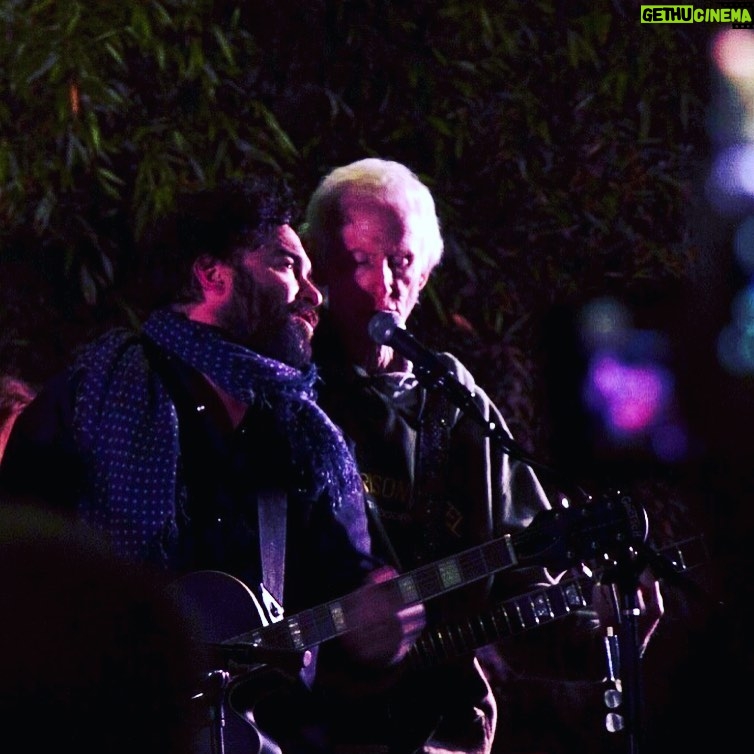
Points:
126	425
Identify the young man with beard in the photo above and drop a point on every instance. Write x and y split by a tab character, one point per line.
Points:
195	444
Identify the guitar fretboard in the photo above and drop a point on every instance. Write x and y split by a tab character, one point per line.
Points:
312	627
557	535
535	608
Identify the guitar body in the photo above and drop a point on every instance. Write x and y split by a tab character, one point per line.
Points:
219	606
263	708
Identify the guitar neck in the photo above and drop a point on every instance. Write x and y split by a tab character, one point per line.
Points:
526	611
562	535
311	627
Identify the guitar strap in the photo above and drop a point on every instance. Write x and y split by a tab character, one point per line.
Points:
436	418
272	506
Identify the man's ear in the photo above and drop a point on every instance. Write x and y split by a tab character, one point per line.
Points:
211	274
424	279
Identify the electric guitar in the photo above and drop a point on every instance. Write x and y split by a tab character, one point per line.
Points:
535	608
395	721
556	538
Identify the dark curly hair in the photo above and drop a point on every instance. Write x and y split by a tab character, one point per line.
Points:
217	220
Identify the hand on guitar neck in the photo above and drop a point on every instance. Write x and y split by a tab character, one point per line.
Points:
386	629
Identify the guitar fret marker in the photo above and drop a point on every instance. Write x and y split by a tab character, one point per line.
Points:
541	607
449	573
338	617
573	597
295	632
408	590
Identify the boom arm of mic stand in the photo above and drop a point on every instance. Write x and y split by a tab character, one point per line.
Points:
463	399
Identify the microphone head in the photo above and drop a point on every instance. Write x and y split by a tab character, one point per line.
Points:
382	326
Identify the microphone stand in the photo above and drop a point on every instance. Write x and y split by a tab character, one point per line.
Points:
624	648
624	652
463	399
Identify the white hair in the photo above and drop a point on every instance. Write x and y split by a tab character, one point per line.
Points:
385	180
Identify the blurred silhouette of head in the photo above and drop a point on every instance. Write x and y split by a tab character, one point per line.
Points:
93	656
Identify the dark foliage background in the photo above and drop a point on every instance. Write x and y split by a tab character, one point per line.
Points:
565	143
561	139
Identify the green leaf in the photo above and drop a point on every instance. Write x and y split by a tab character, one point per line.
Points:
74	19
115	54
224	44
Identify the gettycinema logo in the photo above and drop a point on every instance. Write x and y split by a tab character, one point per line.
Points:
738	15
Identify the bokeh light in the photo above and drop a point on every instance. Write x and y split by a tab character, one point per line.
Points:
629	387
730	183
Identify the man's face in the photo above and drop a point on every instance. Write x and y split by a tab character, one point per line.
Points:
272	307
376	265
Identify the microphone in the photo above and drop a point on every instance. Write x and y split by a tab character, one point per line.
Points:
386	329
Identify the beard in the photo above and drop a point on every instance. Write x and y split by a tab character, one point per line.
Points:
256	319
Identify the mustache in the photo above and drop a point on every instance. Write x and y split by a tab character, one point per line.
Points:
305	311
